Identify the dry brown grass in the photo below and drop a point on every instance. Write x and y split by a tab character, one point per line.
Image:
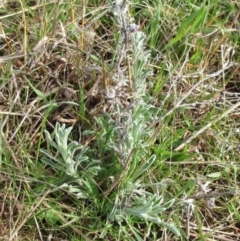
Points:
59	62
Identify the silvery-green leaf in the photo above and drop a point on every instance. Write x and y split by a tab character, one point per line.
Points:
49	139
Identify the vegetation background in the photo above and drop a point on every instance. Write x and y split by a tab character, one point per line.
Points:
119	120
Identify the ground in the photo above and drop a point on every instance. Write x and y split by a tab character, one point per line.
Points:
119	120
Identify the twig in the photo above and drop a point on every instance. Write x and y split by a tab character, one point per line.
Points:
196	134
120	176
214	194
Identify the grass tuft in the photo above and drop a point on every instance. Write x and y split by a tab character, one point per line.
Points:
119	120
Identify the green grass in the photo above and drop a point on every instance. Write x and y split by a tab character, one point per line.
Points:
111	138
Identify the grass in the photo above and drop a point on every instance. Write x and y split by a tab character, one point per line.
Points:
119	122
